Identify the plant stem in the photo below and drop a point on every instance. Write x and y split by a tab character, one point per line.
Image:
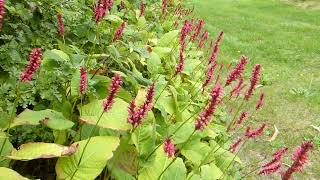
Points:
90	136
235	115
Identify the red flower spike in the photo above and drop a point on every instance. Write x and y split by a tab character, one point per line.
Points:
185	30
2	11
214	53
300	158
60	23
242	117
141	8
137	114
203	39
233	148
253	134
118	33
100	9
270	169
260	102
168	148
113	90
237	88
255	77
83	80
209	76
276	157
180	66
197	31
164	7
34	63
205	116
237	71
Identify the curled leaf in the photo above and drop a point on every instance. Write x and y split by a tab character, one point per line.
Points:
275	134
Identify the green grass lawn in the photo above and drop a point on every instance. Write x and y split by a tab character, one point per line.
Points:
285	40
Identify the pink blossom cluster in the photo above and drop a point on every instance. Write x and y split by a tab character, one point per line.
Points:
137	114
215	50
237	71
197	30
113	90
34	63
2	11
205	116
203	39
254	133
60	23
260	101
236	90
168	147
209	76
164	7
83	81
300	158
118	33
141	8
275	164
100	9
233	147
255	78
242	117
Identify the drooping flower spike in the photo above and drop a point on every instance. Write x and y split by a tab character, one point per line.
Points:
237	88
276	157
215	50
168	148
206	115
233	147
118	33
180	65
164	7
242	117
113	90
300	158
209	76
273	168
137	114
255	78
237	71
101	8
255	133
2	11
34	63
141	8
197	30
203	39
260	101
60	24
83	81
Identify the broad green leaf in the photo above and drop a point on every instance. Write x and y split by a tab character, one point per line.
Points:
154	63
176	171
39	150
190	65
6	173
6	149
195	151
168	39
98	152
75	83
165	102
210	172
153	171
113	18
56	55
183	133
162	51
144	140
115	118
52	119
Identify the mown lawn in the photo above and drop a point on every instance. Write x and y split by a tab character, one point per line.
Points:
285	40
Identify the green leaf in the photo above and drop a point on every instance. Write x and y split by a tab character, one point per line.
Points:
115	118
210	172
154	63
75	83
183	133
162	51
56	55
6	173
144	140
32	151
113	18
52	119
6	149
176	171
168	39
195	151
97	153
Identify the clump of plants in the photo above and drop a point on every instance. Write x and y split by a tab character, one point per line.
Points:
124	90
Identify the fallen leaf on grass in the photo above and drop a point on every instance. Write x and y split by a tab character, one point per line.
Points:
275	134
